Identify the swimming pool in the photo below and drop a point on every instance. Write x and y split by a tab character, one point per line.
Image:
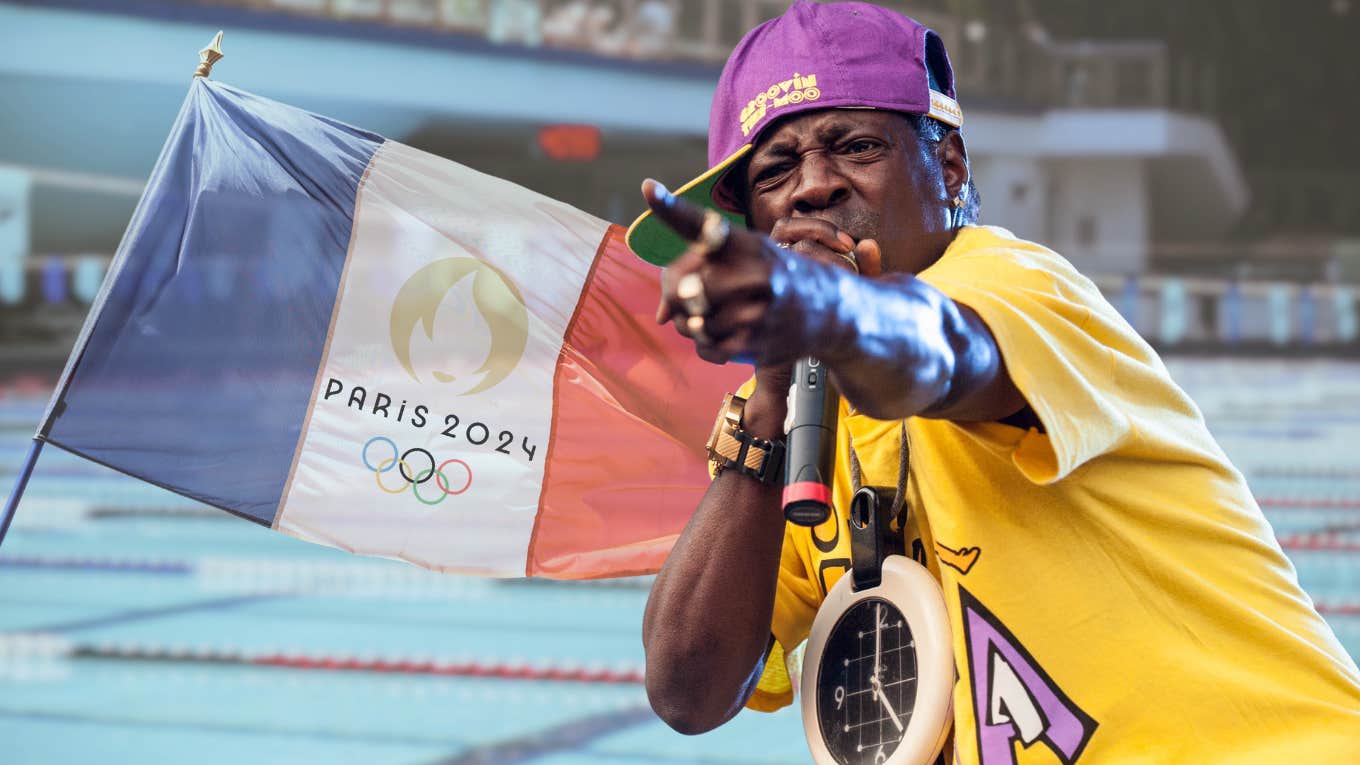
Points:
137	626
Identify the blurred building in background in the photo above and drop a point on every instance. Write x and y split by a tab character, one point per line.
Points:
1104	134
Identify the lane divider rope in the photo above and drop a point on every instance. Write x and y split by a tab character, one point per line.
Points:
292	574
87	563
283	574
29	646
1298	503
1320	542
1305	472
190	512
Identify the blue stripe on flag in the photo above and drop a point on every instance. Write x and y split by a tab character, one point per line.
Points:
181	383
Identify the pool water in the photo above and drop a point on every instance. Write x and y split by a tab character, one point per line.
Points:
139	627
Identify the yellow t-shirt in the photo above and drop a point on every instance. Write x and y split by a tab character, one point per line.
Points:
1116	564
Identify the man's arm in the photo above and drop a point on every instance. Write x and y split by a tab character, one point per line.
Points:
897	348
706	629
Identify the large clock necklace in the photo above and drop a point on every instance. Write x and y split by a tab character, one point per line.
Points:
878	679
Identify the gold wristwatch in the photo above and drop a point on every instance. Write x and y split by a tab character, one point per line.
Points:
731	447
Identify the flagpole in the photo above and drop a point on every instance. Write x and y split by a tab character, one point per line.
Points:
206	58
12	503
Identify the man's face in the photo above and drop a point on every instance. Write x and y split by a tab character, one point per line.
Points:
864	171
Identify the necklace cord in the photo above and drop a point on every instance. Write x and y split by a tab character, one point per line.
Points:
857	475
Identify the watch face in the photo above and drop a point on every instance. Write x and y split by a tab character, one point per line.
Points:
866	683
729	417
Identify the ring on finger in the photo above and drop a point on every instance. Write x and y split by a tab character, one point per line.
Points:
849	258
690	290
695	325
714	232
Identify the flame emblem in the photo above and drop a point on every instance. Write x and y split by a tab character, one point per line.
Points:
497	299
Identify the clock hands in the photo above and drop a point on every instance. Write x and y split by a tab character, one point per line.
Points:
877	686
874	682
878	638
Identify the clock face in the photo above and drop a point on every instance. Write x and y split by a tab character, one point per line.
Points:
866	683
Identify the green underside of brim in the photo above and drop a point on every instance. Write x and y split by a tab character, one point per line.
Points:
652	240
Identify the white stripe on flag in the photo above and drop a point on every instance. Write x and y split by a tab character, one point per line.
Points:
425	231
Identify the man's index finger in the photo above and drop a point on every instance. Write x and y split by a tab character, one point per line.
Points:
685	218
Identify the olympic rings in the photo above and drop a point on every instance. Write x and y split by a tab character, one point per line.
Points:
415	488
390	443
442	480
377	475
409	475
426	473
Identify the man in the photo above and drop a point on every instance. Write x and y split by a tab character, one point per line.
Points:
1063	490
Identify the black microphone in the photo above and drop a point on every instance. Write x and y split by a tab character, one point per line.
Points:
810	454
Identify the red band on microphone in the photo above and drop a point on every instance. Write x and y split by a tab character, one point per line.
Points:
802	490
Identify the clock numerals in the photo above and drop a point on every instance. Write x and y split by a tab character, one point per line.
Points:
840	696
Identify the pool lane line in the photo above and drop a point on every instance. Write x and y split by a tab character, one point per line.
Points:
643	583
404	621
1305	472
92	472
487	669
567	737
285	576
326	735
159	612
57	646
106	513
1320	542
247	575
106	565
223	568
1333	538
1298	503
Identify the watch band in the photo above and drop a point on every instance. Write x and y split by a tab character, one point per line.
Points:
733	448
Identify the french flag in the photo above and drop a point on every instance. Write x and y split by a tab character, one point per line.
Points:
373	348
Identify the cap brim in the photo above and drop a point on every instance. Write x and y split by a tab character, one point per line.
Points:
655	242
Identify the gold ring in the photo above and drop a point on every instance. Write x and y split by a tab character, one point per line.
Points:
690	290
849	257
713	234
695	325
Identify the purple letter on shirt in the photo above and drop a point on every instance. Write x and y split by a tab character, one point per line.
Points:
1013	698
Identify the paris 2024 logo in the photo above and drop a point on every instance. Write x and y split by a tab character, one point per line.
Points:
497	300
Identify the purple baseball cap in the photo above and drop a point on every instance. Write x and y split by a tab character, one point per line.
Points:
814	56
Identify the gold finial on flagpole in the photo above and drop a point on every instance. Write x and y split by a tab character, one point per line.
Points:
209	56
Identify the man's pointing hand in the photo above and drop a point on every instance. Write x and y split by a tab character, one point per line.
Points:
734	278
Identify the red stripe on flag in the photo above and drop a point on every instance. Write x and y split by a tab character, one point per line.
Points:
633	406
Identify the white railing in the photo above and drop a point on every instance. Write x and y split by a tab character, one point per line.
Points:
50	279
1173	311
1170	311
